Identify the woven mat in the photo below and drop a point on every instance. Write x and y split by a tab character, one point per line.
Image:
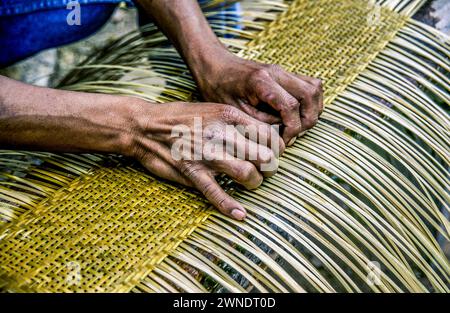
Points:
106	230
111	227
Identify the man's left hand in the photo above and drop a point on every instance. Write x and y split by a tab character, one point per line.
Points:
245	84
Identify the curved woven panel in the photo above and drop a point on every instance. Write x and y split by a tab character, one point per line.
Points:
336	204
103	232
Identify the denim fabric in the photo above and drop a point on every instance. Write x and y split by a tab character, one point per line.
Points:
14	7
30	26
25	34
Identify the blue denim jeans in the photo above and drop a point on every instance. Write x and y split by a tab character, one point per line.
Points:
30	26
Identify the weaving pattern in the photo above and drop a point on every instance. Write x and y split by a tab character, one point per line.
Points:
123	230
332	40
96	224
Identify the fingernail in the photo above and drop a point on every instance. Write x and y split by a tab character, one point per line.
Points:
302	133
238	214
291	142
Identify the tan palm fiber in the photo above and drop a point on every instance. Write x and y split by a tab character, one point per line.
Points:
338	202
103	229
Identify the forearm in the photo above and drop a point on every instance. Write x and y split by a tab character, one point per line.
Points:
186	26
38	118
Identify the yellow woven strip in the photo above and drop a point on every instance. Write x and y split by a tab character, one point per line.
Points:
111	228
329	39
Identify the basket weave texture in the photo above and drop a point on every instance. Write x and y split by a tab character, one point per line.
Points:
115	224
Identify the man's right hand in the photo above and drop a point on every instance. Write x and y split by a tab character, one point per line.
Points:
192	143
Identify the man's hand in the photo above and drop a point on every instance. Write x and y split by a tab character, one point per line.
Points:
214	143
225	78
246	84
216	138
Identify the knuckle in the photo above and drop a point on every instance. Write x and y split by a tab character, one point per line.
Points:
209	191
316	82
310	121
275	68
266	155
316	87
213	194
188	170
138	151
247	172
260	74
231	114
295	130
268	96
308	92
292	104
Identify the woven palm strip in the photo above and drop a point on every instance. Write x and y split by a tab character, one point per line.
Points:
115	223
44	247
333	40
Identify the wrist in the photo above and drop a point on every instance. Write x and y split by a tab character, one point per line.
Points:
126	122
87	122
208	61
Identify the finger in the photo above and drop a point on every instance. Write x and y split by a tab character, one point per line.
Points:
318	85
261	156
258	114
207	185
242	172
317	91
161	164
255	130
273	94
164	170
308	91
